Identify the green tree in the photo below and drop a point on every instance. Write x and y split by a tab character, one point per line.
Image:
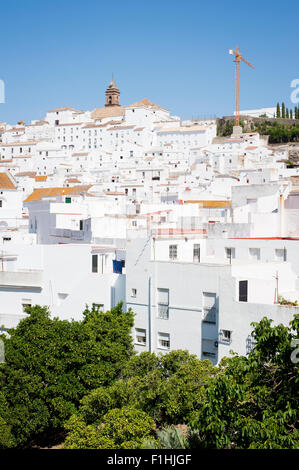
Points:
168	387
283	112
253	403
291	114
120	428
278	110
51	364
287	113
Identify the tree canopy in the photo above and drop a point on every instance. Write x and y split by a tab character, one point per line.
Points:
50	364
253	402
83	380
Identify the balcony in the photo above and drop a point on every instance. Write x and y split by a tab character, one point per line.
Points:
25	278
67	233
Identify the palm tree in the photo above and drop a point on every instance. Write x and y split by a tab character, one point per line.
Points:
172	437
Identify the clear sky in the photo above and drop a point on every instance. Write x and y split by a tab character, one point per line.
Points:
63	52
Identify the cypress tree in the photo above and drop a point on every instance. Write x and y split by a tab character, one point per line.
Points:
283	110
287	113
277	110
291	114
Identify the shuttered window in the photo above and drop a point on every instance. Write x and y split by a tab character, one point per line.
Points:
163	303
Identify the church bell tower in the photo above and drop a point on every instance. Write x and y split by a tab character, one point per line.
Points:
112	94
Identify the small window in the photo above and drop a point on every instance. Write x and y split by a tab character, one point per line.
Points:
163	304
26	304
81	225
94	263
133	292
68	200
255	253
140	335
196	253
280	254
243	288
164	340
226	336
98	306
230	253
173	251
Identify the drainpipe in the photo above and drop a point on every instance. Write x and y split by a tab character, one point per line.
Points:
281	212
149	317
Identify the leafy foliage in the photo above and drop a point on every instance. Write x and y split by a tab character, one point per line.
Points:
253	403
167	438
51	364
277	132
168	387
121	428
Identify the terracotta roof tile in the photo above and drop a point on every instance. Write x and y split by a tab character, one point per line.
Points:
6	182
40	193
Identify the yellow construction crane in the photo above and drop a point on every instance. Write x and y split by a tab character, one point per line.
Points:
237	61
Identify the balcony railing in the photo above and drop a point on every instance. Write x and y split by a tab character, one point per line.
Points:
68	233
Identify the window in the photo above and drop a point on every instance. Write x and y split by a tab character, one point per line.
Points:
98	306
254	253
140	335
280	254
25	304
1	202
243	288
164	340
133	292
94	263
226	336
230	253
68	200
196	253
81	225
173	251
163	304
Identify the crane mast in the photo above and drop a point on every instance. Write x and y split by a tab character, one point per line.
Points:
237	60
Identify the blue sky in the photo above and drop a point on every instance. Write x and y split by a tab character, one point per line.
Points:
62	53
